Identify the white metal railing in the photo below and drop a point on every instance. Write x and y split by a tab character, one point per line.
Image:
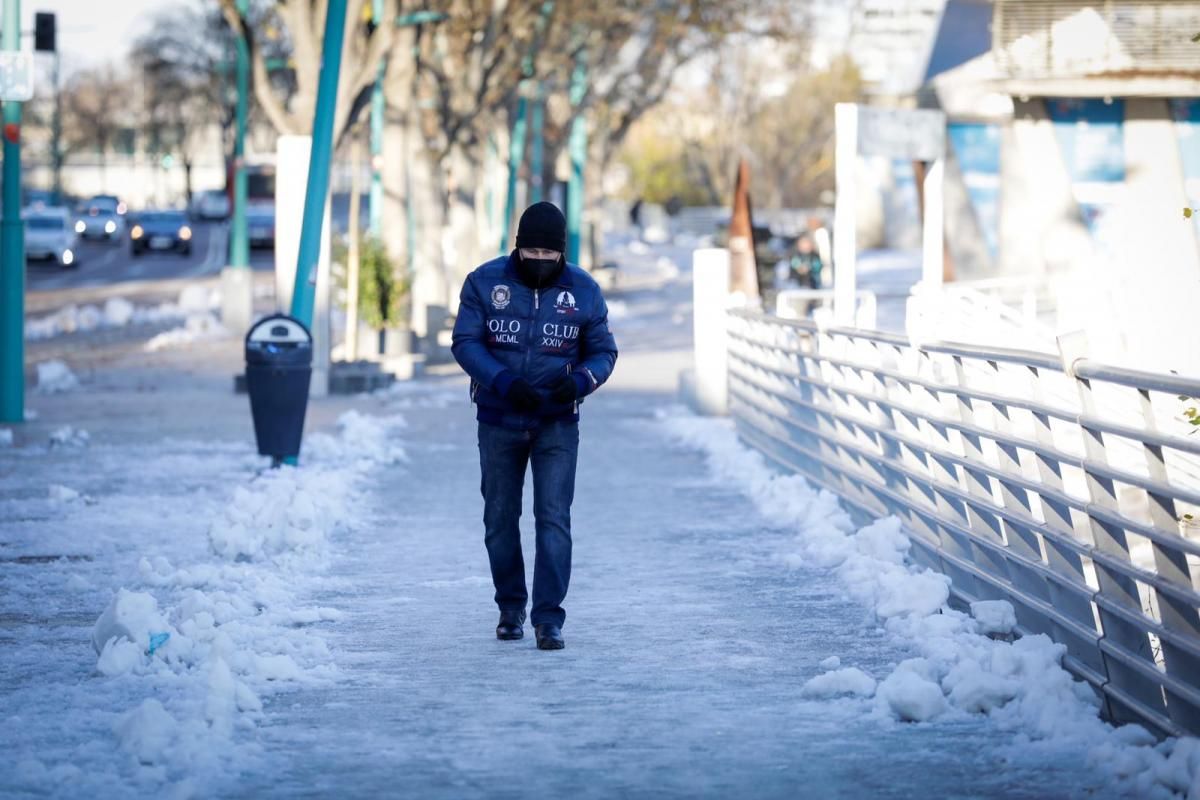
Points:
980	313
1063	491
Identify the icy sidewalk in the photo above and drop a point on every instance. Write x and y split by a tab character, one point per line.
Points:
697	621
690	636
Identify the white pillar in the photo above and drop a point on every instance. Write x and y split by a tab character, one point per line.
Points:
932	246
291	184
845	117
710	297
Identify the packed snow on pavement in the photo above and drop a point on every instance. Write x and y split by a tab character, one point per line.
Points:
194	309
211	619
209	640
963	663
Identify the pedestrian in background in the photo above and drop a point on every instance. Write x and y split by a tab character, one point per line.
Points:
532	333
804	267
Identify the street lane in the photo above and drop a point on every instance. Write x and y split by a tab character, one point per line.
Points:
103	263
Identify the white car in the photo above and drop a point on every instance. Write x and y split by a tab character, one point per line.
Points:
100	218
49	236
212	205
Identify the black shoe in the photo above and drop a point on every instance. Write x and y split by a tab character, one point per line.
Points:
549	637
512	625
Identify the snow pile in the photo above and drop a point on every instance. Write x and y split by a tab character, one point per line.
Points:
117	312
198	327
55	377
68	436
850	680
995	617
911	694
284	511
959	668
62	494
360	439
6	437
209	640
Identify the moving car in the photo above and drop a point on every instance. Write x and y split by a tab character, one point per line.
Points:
110	199
160	230
212	204
260	224
101	217
49	237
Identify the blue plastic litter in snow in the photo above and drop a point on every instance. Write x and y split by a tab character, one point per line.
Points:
157	640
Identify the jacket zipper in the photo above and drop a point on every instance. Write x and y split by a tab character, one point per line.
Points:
532	335
575	404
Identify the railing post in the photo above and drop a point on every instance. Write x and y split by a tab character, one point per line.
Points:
1116	588
710	297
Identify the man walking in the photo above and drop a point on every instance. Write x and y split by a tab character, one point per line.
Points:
532	332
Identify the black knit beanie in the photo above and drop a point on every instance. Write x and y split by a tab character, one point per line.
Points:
543	225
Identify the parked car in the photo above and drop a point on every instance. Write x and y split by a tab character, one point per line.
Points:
100	218
160	230
260	224
212	204
49	237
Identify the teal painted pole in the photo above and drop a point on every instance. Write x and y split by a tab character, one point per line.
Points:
516	155
375	212
239	243
12	246
317	189
577	145
537	121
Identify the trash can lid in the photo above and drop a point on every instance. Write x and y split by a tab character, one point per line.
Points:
278	329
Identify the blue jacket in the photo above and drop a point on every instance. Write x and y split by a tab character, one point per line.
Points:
505	330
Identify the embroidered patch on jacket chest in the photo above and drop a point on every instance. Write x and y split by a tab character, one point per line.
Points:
501	296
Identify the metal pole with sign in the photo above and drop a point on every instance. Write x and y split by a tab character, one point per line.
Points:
237	292
375	208
516	153
16	86
577	146
317	188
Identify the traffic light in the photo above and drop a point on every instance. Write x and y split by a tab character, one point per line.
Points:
44	32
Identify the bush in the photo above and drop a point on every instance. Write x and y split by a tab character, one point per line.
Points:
382	294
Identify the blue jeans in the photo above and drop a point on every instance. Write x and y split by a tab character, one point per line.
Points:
552	449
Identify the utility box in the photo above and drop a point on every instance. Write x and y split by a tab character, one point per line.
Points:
279	352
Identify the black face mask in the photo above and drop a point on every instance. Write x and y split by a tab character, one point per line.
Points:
538	271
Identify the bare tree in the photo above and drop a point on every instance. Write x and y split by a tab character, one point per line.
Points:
95	113
186	70
288	97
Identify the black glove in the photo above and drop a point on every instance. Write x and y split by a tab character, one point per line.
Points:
523	397
564	390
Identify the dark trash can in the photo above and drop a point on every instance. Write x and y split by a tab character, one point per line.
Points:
278	371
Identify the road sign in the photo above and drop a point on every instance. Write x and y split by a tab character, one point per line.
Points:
16	76
908	133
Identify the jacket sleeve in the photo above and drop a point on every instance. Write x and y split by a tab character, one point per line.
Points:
598	348
469	342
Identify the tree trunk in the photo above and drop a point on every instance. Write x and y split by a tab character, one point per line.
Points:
394	228
426	188
464	231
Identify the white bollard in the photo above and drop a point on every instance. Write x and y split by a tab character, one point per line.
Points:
710	298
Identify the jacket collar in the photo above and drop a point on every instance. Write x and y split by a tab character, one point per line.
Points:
510	271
